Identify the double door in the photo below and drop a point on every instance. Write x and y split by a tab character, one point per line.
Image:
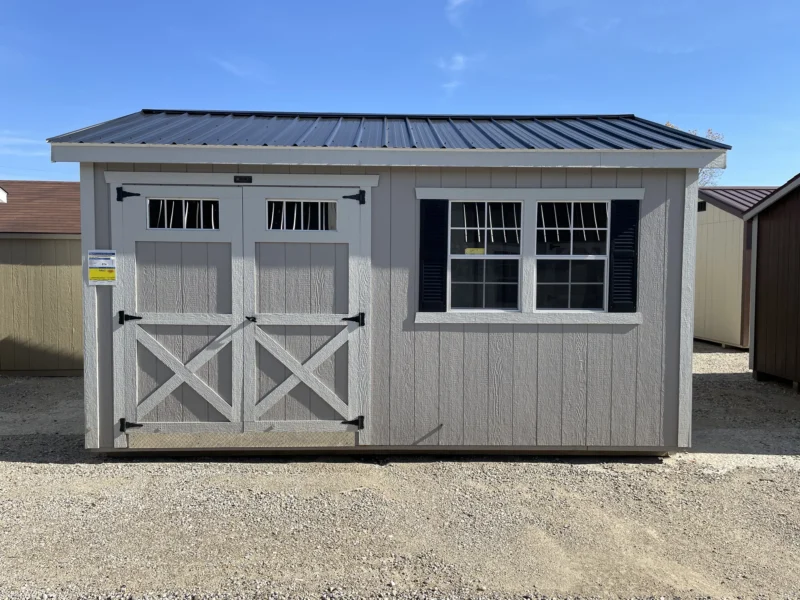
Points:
239	309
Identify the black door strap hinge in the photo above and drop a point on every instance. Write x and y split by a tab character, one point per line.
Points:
124	425
251	319
358	421
361	196
123	317
360	318
122	194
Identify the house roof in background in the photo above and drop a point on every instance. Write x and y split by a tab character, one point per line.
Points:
431	132
774	197
40	207
735	200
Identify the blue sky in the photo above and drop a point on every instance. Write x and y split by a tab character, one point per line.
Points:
729	65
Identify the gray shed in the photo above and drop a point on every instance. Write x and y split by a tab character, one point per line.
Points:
389	281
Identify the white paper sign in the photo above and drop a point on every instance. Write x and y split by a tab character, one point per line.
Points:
102	267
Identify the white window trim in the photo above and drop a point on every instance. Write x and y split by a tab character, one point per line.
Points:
528	314
571	257
484	256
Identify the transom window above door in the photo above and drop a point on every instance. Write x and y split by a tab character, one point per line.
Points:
180	213
301	215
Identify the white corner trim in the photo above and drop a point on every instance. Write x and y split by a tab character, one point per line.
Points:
91	394
478	194
3	196
309	180
531	318
686	338
772	199
753	275
386	157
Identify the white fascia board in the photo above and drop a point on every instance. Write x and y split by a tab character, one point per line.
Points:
777	195
387	157
277	179
553	194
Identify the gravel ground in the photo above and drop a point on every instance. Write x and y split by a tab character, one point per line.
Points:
721	521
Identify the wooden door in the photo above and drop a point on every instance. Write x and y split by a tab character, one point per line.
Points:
306	364
178	314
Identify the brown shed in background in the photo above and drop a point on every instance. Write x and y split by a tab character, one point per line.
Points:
41	328
775	351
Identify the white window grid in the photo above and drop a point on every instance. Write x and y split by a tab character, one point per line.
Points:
482	231
323	218
570	257
214	225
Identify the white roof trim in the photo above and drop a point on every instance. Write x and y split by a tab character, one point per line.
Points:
385	157
770	200
3	196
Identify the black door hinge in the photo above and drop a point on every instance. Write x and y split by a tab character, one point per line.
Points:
360	318
122	194
358	421
124	425
251	319
123	317
361	196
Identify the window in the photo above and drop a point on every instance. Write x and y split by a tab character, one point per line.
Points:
571	255
301	215
168	213
701	206
485	239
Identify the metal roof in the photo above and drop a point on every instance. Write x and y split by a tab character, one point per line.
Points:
339	130
734	200
774	196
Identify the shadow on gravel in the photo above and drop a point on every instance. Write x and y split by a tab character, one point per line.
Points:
45	448
735	414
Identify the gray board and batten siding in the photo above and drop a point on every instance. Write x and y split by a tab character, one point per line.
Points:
549	386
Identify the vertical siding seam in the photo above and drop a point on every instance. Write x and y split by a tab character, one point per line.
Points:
538	370
389	332
562	387
586	392
611	391
513	381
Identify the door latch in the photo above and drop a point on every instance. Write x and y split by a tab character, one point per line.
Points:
360	318
123	317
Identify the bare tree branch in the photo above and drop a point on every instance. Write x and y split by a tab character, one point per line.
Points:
706	177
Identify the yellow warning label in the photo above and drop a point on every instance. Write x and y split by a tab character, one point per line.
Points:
474	251
102	274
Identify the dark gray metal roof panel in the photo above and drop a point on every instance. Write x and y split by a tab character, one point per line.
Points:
340	130
734	200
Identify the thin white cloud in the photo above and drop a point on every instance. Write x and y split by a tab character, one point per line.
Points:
455	64
10	151
242	68
12	140
454	10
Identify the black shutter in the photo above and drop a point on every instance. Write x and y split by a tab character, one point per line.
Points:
623	265
433	226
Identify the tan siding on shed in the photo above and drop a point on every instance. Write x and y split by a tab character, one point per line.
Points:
40	310
718	278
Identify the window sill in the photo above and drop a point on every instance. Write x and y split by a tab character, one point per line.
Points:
531	318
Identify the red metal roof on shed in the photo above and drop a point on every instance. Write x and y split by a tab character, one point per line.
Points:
40	207
735	200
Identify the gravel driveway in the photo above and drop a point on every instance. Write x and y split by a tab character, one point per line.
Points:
722	521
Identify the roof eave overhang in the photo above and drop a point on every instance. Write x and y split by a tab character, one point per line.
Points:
720	205
774	197
385	157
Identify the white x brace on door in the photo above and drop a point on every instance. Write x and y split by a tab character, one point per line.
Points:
306	290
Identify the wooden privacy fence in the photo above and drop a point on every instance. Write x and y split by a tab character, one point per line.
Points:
41	328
